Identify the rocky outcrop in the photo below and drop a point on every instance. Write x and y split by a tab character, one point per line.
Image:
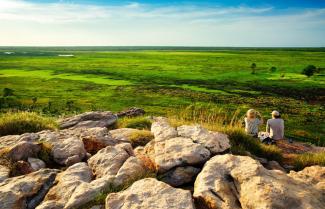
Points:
26	191
67	182
231	182
150	194
132	112
184	146
12	140
89	120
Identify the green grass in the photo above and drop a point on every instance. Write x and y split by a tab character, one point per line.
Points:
167	79
309	159
141	123
22	122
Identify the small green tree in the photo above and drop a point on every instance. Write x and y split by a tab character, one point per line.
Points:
309	70
273	69
253	66
8	92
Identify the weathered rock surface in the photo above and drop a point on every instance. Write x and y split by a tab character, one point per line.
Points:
4	173
231	182
123	134
150	194
67	182
109	160
214	141
36	164
180	175
12	140
89	120
22	151
162	130
118	174
132	112
26	191
177	152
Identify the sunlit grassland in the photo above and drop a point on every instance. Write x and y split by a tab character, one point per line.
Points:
168	80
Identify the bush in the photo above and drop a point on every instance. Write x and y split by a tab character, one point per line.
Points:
22	122
253	67
137	123
309	70
273	69
8	92
309	159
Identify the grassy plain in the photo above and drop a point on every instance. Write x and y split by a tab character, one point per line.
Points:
165	80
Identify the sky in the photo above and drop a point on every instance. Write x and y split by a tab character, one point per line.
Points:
248	23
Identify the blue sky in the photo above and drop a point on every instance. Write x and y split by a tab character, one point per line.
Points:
163	22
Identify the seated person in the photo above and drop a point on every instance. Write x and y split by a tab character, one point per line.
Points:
252	122
275	126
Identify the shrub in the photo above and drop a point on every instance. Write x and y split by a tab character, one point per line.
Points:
253	67
137	123
273	69
22	122
309	159
309	70
8	92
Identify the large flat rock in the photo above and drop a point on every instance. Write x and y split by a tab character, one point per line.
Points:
150	194
231	182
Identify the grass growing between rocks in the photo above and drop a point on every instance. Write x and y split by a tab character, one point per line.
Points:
309	159
140	138
13	123
141	123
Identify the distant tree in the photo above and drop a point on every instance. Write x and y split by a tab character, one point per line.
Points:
8	92
69	105
273	69
253	66
309	70
34	100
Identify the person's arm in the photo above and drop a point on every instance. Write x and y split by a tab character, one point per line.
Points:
267	127
261	118
282	129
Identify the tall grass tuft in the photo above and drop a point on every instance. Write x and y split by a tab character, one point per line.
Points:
309	159
141	123
12	123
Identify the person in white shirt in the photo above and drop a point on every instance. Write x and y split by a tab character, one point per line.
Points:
253	120
275	126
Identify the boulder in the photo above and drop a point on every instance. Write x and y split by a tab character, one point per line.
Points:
312	175
21	151
4	173
21	168
26	191
214	141
134	136
36	163
67	182
162	130
179	151
231	182
67	151
150	193
180	176
132	112
89	120
11	140
109	160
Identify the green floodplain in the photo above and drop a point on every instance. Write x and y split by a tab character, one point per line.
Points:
166	80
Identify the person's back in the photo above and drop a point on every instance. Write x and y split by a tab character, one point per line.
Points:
252	123
275	126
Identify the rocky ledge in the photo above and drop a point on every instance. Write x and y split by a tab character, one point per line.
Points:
87	165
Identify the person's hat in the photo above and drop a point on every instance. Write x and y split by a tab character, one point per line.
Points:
275	113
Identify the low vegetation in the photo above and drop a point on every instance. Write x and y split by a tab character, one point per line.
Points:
141	123
308	159
12	123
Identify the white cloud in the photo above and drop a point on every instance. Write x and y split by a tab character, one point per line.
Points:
25	23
